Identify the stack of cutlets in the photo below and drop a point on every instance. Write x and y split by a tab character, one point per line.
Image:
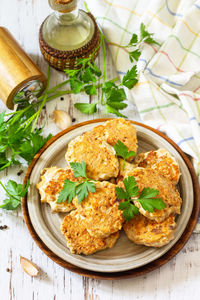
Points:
157	170
94	224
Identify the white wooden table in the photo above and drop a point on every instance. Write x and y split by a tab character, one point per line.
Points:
179	279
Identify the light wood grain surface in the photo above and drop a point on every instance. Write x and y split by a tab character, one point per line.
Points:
179	279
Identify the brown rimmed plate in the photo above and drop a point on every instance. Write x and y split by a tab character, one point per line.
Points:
125	259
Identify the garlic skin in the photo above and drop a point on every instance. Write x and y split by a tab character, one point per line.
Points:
62	119
29	267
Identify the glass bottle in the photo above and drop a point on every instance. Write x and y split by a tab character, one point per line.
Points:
68	28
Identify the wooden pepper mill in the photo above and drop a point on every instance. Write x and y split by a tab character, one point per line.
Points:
18	73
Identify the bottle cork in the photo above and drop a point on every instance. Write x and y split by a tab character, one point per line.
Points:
63	6
16	68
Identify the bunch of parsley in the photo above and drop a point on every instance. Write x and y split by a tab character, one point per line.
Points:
16	142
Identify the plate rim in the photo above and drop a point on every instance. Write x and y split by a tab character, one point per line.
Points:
122	274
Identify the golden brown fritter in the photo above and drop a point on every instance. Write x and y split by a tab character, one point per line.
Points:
78	239
117	129
147	232
99	156
124	169
160	160
147	177
100	210
52	181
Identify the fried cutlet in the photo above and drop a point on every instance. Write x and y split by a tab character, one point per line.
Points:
100	210
160	160
52	181
117	129
147	232
149	178
99	156
78	239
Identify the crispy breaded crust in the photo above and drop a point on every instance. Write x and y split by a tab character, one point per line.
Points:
143	231
160	160
147	177
100	210
52	180
124	169
117	129
99	156
78	239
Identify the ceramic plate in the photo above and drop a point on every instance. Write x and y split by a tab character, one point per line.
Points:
125	255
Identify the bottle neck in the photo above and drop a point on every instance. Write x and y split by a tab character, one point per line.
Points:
62	7
67	18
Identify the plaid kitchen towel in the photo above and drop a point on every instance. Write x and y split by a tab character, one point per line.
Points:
168	91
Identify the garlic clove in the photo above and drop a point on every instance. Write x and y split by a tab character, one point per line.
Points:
29	267
62	119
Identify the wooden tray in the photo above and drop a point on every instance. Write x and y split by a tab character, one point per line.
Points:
125	274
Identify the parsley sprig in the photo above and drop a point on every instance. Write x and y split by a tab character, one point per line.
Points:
147	198
80	189
112	95
14	193
16	142
122	151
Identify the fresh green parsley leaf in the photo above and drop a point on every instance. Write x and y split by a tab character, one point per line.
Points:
146	36
130	79
16	141
129	210
71	73
114	94
2	123
131	186
134	39
122	150
148	192
30	147
134	55
3	160
83	189
114	97
117	105
131	190
14	192
86	108
131	194
79	169
94	69
16	189
90	89
87	76
121	193
76	85
68	191
112	110
149	202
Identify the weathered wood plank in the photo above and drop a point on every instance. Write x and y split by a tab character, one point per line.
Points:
179	279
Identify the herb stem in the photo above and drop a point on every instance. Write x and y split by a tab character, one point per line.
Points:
4	188
58	86
44	99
